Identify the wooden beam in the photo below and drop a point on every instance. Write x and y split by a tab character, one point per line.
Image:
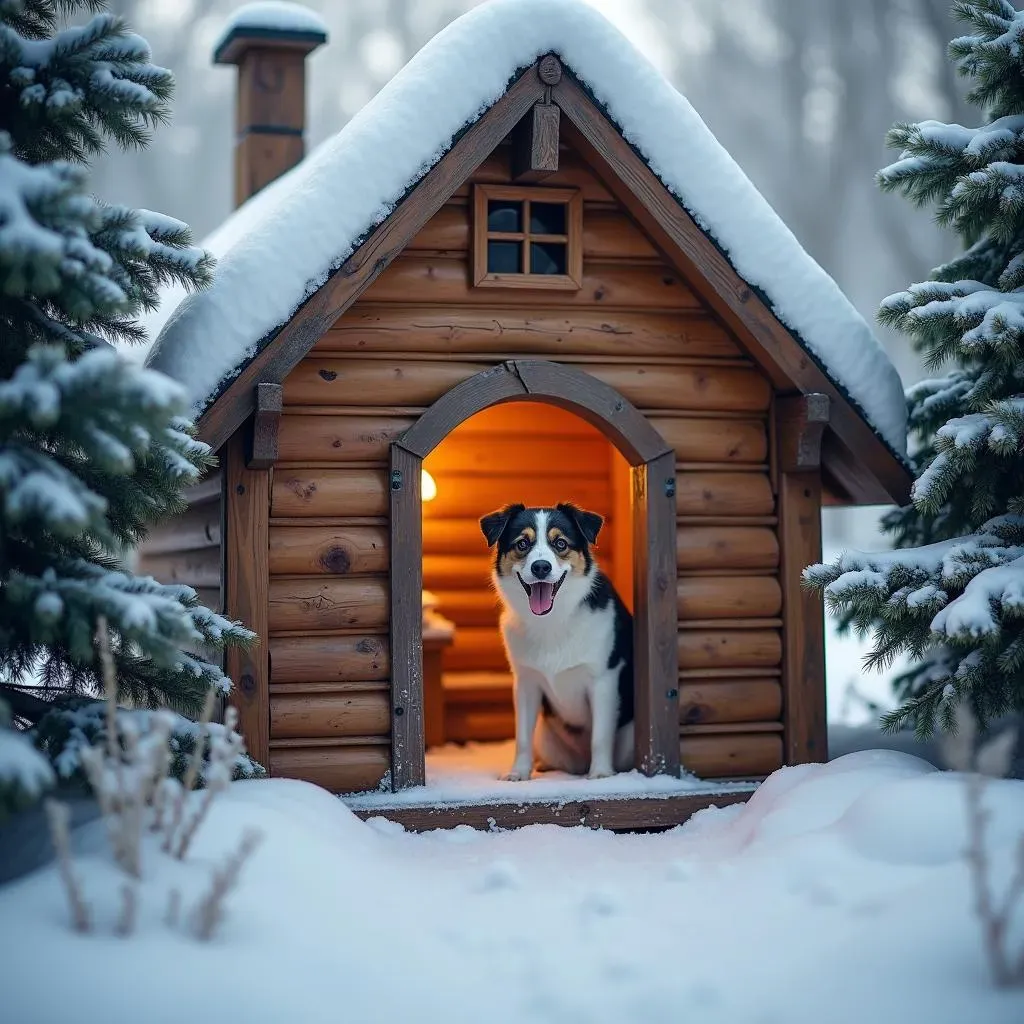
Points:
799	424
710	274
266	424
282	353
535	144
246	592
407	738
625	814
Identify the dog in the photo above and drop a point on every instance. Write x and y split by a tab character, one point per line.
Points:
569	640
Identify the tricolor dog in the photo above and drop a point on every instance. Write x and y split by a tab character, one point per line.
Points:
569	640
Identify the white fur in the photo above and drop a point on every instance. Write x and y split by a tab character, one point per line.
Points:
563	655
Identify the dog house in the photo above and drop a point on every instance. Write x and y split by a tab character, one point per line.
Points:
525	272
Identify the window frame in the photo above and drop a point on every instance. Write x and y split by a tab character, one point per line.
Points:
571	280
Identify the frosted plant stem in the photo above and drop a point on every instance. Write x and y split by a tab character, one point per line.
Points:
210	909
57	815
192	773
129	910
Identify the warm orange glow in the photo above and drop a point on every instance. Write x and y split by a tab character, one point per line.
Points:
428	487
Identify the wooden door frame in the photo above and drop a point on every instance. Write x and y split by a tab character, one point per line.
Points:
655	617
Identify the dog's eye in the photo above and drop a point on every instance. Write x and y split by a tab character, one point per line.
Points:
522	544
560	545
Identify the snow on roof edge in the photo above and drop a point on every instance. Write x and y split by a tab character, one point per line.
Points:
273	19
346	184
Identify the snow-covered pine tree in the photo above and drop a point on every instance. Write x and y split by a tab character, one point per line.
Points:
952	593
94	448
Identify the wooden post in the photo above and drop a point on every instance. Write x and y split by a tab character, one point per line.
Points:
265	425
408	767
655	621
535	138
270	109
800	422
246	591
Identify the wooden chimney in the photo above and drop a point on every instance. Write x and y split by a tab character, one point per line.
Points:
270	108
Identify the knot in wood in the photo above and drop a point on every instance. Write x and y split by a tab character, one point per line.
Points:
549	70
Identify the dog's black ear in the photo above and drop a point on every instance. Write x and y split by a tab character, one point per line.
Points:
588	523
493	525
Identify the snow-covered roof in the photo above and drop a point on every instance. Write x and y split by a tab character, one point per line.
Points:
281	245
277	18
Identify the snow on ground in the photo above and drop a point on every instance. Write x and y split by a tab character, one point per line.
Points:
282	244
837	894
469	773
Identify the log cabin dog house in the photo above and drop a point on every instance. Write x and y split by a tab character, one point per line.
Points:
525	271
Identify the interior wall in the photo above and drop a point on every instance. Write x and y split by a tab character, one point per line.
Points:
522	451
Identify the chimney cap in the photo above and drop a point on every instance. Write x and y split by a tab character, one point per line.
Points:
272	23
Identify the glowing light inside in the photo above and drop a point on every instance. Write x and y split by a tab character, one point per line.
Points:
428	487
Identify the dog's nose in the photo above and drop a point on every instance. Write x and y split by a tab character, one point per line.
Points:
541	569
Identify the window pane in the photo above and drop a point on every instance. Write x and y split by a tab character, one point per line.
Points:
504	215
547	258
547	218
504	257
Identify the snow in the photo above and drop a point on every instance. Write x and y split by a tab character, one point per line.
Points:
272	14
468	774
839	892
281	245
21	763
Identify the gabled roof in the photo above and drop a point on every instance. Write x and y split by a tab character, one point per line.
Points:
282	246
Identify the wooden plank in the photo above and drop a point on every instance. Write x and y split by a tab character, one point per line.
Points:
207	490
580	457
476	649
732	755
311	659
428	280
496	169
714	597
729	700
537	331
726	547
733	648
406	586
477	607
674	232
714	440
623	814
608	234
479	723
365	438
197	527
334	551
322	492
246	580
655	655
798	434
276	359
298	714
727	494
266	421
535	144
310	603
338	769
472	495
193	568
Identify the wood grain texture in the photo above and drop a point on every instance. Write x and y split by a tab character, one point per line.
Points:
467	722
475	606
332	551
200	568
732	648
534	331
196	528
580	457
406	611
353	713
476	649
535	144
714	597
265	425
729	700
719	286
616	814
345	768
714	440
365	438
310	659
732	755
274	361
312	603
246	593
573	172
700	548
726	494
472	495
323	492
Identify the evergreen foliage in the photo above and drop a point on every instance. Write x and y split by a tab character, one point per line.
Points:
952	593
94	448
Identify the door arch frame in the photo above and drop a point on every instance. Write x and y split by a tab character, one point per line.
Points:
655	618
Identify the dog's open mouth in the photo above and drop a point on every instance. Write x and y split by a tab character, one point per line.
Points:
542	593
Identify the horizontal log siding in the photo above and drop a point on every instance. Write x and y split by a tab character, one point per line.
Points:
419	330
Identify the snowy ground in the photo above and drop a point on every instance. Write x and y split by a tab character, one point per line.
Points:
837	894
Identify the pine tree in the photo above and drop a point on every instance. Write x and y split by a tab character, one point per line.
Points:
952	593
94	448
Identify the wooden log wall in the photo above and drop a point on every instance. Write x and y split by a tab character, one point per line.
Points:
420	329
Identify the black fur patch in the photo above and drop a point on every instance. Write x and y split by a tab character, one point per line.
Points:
601	595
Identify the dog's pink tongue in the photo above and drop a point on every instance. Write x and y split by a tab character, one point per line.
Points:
542	597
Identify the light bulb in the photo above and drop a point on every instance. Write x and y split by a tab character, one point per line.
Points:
428	487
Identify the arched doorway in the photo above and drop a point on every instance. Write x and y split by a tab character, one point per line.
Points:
652	464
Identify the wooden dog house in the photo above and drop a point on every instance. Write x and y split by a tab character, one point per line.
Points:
538	316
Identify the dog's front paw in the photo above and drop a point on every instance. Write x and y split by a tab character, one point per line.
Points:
517	774
600	773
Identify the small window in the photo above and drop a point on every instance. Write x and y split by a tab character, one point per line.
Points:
527	237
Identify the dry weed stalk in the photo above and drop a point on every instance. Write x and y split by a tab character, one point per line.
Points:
57	815
210	909
173	908
129	910
178	794
992	760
